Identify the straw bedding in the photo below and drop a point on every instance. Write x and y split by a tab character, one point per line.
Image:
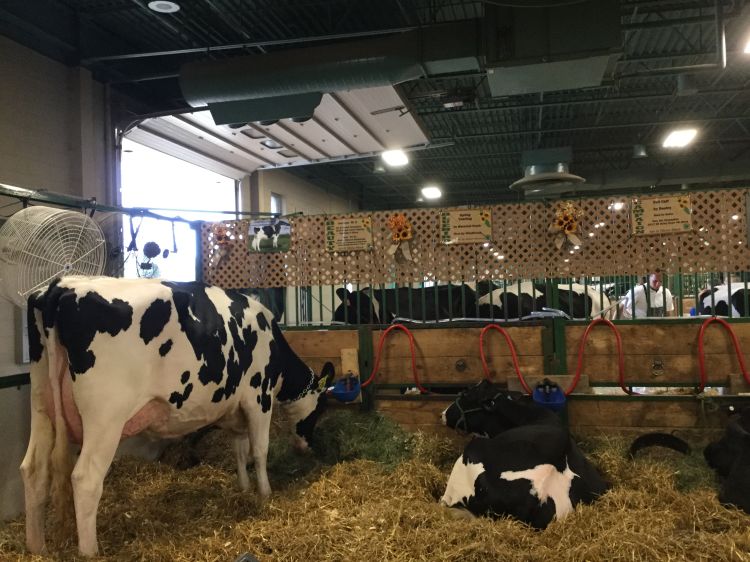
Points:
369	493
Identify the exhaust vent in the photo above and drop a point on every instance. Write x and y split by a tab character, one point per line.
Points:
546	173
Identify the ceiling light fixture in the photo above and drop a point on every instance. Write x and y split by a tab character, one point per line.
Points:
679	138
269	143
164	6
431	192
395	157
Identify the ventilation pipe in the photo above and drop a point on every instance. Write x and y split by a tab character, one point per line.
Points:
291	83
545	169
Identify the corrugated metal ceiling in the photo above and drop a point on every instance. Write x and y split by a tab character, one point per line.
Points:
139	52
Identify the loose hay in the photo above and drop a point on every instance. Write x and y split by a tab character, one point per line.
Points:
370	493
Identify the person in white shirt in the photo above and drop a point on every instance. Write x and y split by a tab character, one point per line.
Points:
651	300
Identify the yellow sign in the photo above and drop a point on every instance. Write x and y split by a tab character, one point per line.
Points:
349	234
660	214
466	227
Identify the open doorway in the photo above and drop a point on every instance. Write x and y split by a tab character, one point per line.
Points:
170	187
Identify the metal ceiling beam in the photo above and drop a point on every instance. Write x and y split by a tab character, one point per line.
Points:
255	44
566	103
590	128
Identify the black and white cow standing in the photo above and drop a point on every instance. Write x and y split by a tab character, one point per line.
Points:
266	232
113	358
730	457
717	300
517	300
528	468
382	306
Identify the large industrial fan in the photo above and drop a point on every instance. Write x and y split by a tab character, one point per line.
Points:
38	244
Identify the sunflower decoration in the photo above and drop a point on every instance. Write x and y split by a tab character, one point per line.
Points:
401	233
567	226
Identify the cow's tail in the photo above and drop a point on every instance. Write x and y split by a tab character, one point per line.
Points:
62	460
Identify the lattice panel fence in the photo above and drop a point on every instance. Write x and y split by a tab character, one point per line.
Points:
521	247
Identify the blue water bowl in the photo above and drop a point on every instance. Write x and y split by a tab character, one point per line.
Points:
554	399
346	389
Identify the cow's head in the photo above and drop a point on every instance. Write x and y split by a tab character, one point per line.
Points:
305	410
487	409
355	308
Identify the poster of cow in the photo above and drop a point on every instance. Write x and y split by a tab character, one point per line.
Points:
269	235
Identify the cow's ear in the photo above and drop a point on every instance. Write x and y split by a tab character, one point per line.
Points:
342	293
327	373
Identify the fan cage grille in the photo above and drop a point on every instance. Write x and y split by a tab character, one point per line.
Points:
40	243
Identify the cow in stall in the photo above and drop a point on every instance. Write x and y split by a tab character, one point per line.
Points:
382	306
518	300
717	300
112	358
730	457
526	460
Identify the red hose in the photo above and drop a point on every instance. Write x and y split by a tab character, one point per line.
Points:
701	353
620	357
512	353
413	357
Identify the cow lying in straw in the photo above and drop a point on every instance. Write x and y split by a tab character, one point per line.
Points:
528	467
113	358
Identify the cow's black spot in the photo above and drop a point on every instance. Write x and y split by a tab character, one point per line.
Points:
203	326
255	380
296	375
240	356
185	376
154	319
258	398
265	402
165	347
178	399
262	322
239	303
80	319
35	337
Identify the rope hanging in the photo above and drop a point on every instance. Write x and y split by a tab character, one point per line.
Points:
620	357
702	354
512	353
385	333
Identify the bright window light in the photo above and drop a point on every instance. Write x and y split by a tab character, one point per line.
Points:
679	138
395	158
431	192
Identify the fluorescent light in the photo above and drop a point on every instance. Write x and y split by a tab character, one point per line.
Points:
431	192
746	50
164	6
618	205
679	138
395	158
735	217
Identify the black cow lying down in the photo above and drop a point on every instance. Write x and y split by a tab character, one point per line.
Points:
730	457
529	468
382	306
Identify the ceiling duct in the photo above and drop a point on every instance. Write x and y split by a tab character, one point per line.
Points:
546	173
547	49
290	83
